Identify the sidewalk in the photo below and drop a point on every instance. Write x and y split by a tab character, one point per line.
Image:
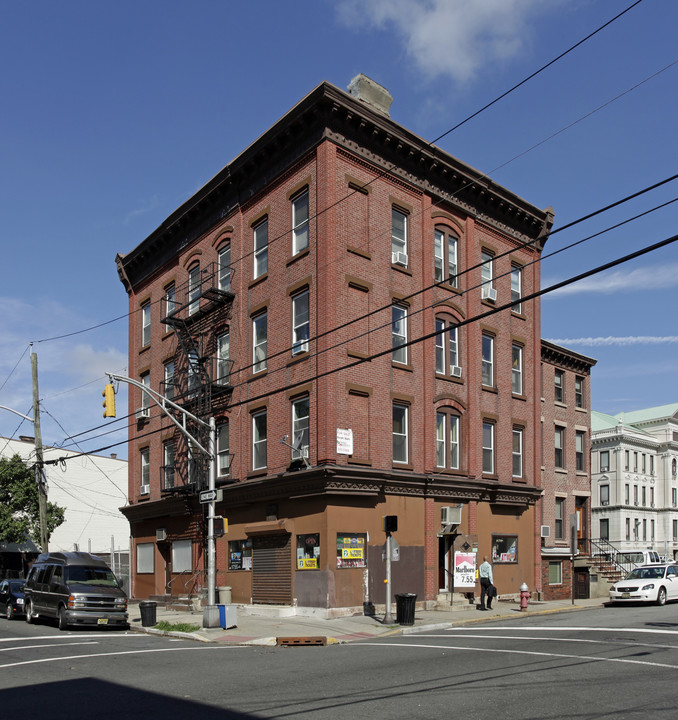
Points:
269	626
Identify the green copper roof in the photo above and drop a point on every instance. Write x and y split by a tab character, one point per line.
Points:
647	415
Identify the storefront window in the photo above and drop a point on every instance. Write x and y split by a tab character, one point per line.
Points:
308	552
351	550
240	555
505	549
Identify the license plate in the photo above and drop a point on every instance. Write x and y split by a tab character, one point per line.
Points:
626	595
102	621
19	601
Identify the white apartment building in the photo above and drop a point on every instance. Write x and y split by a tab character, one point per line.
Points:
91	488
634	479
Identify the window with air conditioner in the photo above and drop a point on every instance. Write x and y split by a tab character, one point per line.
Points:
300	428
450	515
300	322
398	237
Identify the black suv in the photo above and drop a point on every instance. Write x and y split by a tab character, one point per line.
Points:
76	588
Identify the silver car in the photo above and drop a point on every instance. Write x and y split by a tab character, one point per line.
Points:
647	583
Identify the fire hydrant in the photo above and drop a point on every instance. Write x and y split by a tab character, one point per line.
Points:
524	597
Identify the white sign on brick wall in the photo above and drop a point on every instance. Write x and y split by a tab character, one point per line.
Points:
344	441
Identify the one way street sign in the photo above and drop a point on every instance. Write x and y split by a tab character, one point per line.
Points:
207	496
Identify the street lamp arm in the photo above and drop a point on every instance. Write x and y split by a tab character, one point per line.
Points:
162	402
16	412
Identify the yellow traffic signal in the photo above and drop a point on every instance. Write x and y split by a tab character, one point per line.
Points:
109	400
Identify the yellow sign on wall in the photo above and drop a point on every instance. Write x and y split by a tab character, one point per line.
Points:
352	553
307	564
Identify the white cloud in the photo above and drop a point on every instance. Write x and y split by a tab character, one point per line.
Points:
611	341
456	38
653	277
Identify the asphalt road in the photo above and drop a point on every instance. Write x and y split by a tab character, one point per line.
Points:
603	663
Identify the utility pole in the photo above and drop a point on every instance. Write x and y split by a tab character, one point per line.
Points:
40	478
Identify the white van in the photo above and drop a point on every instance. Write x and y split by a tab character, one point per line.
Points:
638	557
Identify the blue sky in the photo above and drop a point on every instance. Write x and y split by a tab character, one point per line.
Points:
113	115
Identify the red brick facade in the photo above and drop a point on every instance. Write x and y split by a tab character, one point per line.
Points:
357	166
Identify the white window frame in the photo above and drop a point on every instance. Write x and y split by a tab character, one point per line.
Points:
145	464
193	373
300	222
260	239
401	435
579	448
224	268
145	397
447	440
259	342
223	357
145	558
559	447
168	387
301	415
441	248
488	360
517	369
488	448
559	386
398	238
399	333
486	273
223	454
301	322
194	289
516	287
447	354
517	452
168	468
170	303
146	324
259	440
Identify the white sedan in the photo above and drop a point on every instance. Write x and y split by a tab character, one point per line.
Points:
648	583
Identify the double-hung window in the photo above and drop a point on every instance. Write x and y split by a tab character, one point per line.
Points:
168	467
488	360
168	385
559	386
488	448
224	268
259	440
487	291
300	428
223	454
517	369
145	397
579	439
579	392
146	324
516	288
517	452
259	342
398	237
560	517
445	247
223	358
400	433
559	456
193	373
300	223
145	471
399	333
300	322
170	303
261	249
447	348
193	289
447	440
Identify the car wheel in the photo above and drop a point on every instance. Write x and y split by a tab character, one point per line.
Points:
661	596
30	618
9	611
63	622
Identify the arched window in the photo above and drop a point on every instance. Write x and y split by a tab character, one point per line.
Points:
448	355
448	439
445	251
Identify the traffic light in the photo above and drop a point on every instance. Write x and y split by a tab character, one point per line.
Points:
109	400
220	526
389	523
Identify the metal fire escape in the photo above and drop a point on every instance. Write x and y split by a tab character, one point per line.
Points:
199	314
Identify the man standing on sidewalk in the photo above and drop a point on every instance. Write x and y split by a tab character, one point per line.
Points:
486	581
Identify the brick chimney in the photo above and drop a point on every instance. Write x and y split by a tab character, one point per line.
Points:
371	93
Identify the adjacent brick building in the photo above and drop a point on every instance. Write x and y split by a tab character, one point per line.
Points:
566	471
334	289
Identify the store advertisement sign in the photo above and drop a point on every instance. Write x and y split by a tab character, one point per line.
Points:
464	570
344	441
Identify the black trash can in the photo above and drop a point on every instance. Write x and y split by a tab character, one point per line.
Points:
148	612
405	608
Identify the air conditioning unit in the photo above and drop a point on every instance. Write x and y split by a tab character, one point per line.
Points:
144	490
546	531
636	503
607	502
143	413
300	347
160	534
399	258
451	514
488	293
455	371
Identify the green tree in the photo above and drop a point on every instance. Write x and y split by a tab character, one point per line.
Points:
19	504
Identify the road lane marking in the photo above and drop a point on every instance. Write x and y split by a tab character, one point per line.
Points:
34	647
553	656
568	629
59	638
618	641
124	652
